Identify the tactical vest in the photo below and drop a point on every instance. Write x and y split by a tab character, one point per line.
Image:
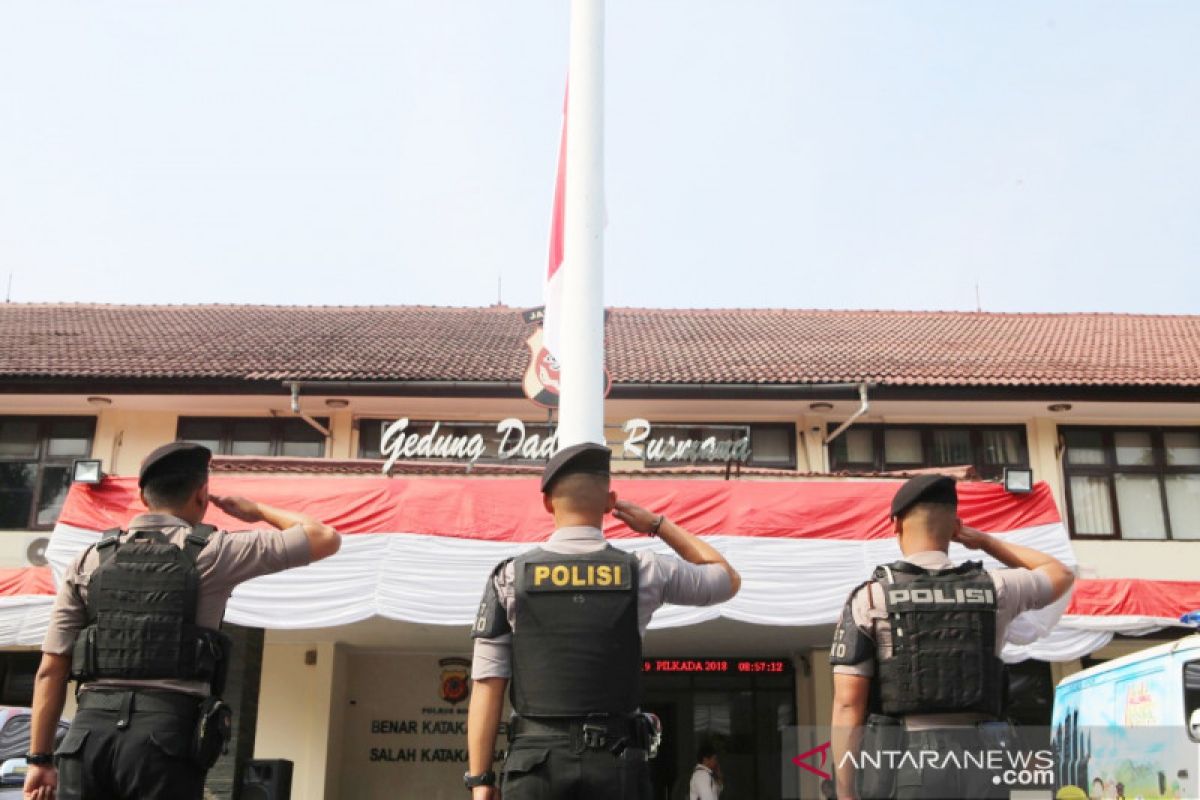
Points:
943	625
577	649
141	614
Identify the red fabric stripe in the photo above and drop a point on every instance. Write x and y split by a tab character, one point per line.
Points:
26	581
510	509
560	187
1129	597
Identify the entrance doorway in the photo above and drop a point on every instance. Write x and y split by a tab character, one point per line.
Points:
740	706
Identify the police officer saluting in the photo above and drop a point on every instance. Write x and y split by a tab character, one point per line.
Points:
918	648
136	623
564	622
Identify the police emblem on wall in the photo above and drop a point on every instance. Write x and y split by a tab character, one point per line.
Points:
455	680
541	376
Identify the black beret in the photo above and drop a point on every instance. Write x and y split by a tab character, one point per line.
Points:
925	489
585	457
175	458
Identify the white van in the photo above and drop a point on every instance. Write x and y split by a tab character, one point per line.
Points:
1130	728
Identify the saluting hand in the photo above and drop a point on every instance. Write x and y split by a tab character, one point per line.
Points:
237	507
636	517
970	538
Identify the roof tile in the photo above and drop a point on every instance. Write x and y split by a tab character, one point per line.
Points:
688	346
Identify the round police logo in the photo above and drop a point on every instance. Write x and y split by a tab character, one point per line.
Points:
541	381
456	679
541	376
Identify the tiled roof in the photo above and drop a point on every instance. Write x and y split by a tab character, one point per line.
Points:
662	346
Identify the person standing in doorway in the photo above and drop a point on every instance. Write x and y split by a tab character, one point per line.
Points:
706	783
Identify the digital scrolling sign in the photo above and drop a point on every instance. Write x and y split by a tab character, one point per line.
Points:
714	666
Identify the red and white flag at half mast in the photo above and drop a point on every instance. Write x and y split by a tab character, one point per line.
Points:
554	274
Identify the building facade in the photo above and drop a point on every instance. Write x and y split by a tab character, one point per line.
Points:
1102	408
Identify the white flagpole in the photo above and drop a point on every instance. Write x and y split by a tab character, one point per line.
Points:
581	360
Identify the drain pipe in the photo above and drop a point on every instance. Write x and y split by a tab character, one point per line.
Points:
321	429
864	406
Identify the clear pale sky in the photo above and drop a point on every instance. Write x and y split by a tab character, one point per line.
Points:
831	154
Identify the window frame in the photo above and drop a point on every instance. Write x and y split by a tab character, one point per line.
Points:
1109	469
43	459
277	428
926	431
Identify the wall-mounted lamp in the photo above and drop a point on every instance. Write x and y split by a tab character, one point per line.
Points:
1058	408
87	470
820	405
1018	481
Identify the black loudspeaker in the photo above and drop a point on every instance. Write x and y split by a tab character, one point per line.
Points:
267	779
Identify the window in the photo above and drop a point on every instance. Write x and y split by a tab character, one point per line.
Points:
1134	483
36	454
888	448
254	436
1191	696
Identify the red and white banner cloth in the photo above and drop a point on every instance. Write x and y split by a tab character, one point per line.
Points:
552	291
420	549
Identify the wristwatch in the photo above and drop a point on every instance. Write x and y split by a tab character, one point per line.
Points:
39	759
657	524
484	779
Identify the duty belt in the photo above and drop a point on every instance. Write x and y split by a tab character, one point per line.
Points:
127	701
596	732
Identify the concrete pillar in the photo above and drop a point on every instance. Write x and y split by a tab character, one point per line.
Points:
124	438
812	455
341	424
1042	435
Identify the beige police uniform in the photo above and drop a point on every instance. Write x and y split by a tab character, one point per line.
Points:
1017	591
227	560
661	579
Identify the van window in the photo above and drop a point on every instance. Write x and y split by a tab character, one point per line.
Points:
1191	691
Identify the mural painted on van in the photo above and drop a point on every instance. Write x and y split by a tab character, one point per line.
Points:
1120	734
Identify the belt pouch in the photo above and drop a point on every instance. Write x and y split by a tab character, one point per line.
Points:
214	728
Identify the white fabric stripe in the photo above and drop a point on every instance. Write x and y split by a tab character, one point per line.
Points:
1061	644
24	619
1133	625
437	580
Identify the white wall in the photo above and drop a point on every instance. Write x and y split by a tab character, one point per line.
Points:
1161	561
401	689
299	714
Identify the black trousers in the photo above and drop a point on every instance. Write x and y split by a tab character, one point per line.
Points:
937	766
150	759
554	768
